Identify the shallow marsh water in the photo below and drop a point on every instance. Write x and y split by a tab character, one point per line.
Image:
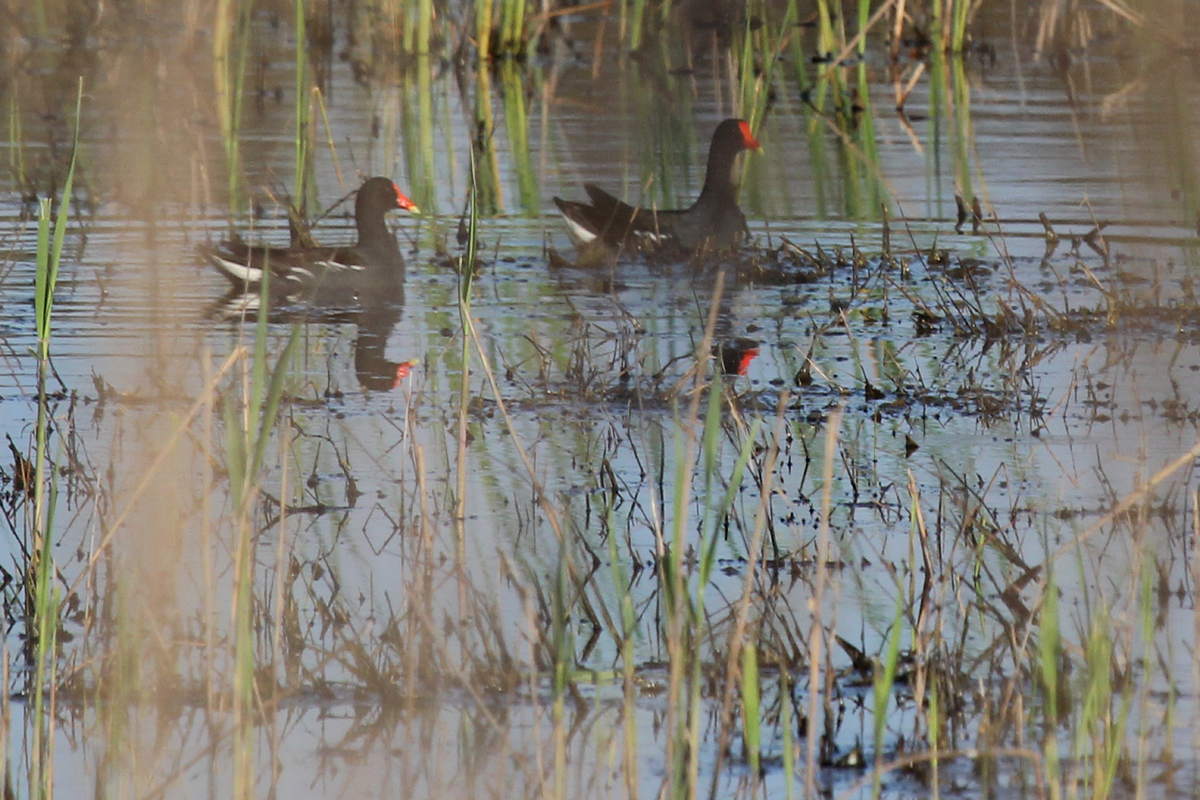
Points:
399	658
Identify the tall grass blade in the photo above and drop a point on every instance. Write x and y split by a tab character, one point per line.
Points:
486	171
299	190
270	410
16	153
483	31
424	27
628	663
563	662
512	27
516	117
785	723
884	680
248	435
750	706
231	49
42	594
636	17
1049	647
466	273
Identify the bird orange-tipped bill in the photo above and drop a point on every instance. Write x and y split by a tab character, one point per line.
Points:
404	202
748	140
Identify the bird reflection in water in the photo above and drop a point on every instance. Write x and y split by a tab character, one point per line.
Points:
374	316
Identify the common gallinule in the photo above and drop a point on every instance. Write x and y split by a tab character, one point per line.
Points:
714	222
736	355
315	272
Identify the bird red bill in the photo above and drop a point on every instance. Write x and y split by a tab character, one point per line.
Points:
744	361
404	202
748	140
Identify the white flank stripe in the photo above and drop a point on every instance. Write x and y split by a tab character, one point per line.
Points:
337	266
239	272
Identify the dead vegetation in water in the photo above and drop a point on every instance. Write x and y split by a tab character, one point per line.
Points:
964	564
965	689
990	333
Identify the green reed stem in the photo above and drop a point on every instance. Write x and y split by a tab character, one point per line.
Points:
959	31
683	615
1095	709
485	173
825	36
16	154
466	274
40	578
636	16
563	662
864	17
1049	646
333	157
516	118
49	257
964	132
746	78
628	628
884	680
1116	734
299	193
785	723
243	654
483	29
710	448
45	675
512	26
231	39
938	120
425	179
248	435
424	28
751	719
875	193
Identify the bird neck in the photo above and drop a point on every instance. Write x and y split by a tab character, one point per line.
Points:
372	229
721	178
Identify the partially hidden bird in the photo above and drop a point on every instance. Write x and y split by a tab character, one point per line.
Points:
314	273
713	222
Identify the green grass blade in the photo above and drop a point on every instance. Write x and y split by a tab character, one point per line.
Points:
750	705
258	369
884	680
709	560
41	296
235	450
50	254
274	394
1049	644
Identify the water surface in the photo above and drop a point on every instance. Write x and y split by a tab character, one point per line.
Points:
411	662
